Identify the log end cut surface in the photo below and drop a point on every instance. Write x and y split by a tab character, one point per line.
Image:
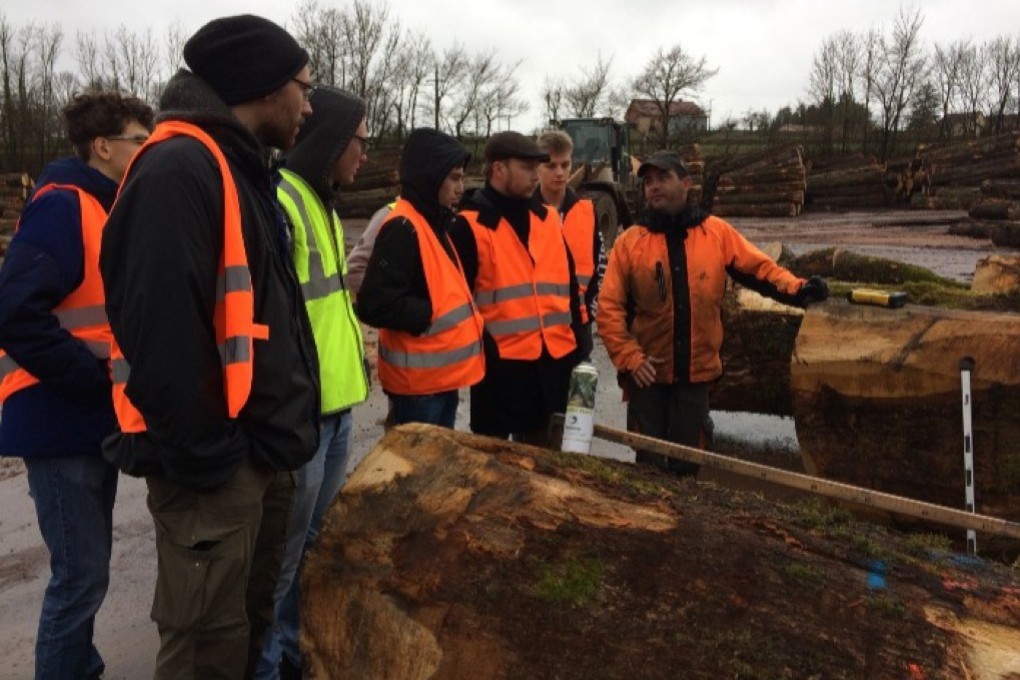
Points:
449	555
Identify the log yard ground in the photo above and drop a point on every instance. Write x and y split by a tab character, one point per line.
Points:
127	638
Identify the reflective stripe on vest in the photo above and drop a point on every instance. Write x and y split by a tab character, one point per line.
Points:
524	294
321	265
449	354
234	316
83	312
579	231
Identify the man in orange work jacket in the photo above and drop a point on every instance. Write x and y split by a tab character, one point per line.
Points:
660	307
522	275
55	376
414	291
215	372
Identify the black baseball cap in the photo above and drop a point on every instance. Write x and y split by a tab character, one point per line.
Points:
505	145
665	161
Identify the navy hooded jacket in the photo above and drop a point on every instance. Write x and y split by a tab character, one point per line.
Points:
70	410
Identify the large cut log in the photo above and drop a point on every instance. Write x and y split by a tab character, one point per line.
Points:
956	151
872	198
877	401
996	274
451	556
975	173
1001	188
1006	233
996	209
20	180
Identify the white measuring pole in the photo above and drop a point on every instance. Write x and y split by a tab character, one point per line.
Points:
966	368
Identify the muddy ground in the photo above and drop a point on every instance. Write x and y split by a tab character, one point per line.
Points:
128	639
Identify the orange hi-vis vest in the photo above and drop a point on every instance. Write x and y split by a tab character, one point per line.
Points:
234	316
579	231
448	355
524	294
83	312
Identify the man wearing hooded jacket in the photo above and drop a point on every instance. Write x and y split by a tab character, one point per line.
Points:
659	307
330	148
414	289
215	375
54	372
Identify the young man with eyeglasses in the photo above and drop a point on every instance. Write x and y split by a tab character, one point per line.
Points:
329	150
54	371
215	369
518	266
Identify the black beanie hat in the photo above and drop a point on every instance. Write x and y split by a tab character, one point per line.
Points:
244	57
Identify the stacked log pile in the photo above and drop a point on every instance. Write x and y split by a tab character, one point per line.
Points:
856	181
997	211
14	190
766	183
695	164
376	184
949	176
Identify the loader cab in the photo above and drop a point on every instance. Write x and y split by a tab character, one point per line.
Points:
600	142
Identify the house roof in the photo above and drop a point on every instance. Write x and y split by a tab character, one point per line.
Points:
648	108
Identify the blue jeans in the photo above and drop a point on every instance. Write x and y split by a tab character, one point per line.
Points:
433	409
74	498
318	482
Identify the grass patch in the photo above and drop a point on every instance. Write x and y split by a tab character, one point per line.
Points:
575	582
886	606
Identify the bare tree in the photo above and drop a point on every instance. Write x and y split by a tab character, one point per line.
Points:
973	89
948	62
87	55
173	53
870	62
903	67
586	95
850	56
824	82
449	71
552	96
500	99
1002	56
47	46
321	31
667	75
413	64
482	73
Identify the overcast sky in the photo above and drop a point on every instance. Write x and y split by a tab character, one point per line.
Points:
762	48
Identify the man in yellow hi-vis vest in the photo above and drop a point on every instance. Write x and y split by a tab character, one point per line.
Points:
330	148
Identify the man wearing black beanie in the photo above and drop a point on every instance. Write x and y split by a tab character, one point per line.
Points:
215	369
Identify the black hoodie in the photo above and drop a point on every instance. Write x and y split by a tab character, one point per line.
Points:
394	293
324	136
160	255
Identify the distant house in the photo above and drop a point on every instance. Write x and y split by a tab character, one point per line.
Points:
645	117
971	124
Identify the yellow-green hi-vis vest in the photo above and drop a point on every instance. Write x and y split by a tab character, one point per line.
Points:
321	264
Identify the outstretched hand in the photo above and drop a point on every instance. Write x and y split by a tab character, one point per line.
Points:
814	289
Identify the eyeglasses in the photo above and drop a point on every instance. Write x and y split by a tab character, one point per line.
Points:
365	143
134	139
307	89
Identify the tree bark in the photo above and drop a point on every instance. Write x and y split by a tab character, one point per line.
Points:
449	556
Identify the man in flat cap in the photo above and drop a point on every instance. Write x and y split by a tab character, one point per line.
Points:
521	273
214	364
659	311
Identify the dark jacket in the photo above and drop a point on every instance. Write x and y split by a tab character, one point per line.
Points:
69	411
160	255
394	294
516	396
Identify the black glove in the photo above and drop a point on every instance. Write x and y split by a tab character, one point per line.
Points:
814	289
